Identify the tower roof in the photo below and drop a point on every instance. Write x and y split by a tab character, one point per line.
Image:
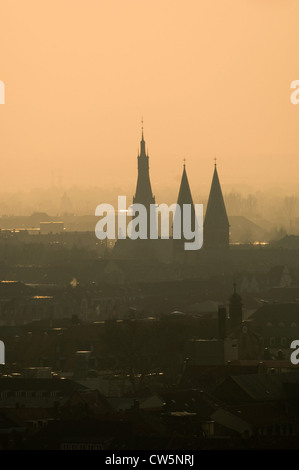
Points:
216	215
142	146
143	193
142	142
185	196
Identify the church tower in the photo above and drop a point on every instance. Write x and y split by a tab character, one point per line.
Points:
143	193
216	225
185	197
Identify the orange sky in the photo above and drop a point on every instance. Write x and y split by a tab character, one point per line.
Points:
210	78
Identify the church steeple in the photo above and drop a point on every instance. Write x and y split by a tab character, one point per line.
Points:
216	224
142	144
185	197
143	193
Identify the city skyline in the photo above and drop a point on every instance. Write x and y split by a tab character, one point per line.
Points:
149	228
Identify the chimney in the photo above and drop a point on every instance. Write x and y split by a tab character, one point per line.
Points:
221	322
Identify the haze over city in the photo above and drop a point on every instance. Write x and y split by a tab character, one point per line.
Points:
154	335
209	78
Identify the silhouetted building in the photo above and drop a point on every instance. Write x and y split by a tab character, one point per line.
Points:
211	352
144	193
216	225
184	197
277	324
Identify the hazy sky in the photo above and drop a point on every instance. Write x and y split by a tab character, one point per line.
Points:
210	77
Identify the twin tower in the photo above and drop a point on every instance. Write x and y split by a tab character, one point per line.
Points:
216	224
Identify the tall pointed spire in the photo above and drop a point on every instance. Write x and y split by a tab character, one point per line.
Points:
142	142
185	197
143	194
216	224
